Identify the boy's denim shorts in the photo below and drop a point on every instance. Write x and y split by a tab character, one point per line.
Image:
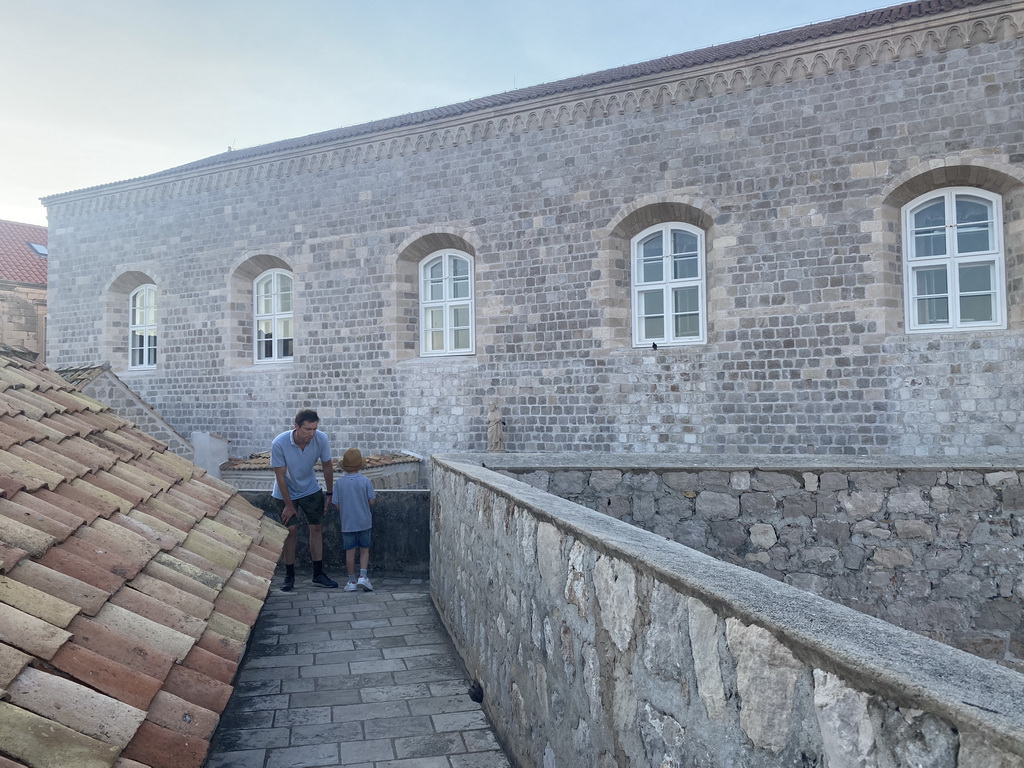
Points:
355	540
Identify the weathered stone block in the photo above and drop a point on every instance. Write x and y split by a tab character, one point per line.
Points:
766	677
893	557
712	505
834	481
757	505
605	480
763	536
860	505
915	529
800	504
774	481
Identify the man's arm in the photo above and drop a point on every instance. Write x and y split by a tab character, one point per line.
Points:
282	485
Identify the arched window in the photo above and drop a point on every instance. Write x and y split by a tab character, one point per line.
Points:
142	327
446	304
274	336
669	304
953	261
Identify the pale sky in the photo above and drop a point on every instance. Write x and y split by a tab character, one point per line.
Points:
97	91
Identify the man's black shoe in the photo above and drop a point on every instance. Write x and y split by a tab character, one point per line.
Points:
325	581
289	584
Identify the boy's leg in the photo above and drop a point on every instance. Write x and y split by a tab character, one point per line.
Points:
350	561
364	559
364	563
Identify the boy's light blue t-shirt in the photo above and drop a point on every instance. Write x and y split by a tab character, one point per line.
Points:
352	494
300	472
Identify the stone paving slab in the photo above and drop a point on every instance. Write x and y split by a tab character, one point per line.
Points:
354	679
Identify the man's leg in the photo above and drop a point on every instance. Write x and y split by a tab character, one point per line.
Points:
288	550
313	509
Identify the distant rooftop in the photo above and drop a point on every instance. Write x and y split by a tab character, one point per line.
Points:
20	257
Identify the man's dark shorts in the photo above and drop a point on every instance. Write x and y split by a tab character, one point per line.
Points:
311	507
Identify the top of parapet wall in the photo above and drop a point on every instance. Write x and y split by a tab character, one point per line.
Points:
575	460
712	55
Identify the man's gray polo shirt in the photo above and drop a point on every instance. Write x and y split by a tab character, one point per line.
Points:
299	464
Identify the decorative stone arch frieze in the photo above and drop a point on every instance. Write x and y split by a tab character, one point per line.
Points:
611	290
403	265
990	174
114	343
241	276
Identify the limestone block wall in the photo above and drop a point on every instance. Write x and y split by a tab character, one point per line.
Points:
937	550
600	644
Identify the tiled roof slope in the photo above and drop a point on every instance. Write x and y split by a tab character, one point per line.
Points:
129	583
710	55
18	262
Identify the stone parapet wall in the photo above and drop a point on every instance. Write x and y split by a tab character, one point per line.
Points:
600	644
935	549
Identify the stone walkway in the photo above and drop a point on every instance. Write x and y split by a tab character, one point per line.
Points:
360	679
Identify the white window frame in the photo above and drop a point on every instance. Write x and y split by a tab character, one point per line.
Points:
142	328
949	264
648	287
276	310
447	305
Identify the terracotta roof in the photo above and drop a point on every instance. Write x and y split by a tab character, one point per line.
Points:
260	462
129	582
677	62
83	375
18	262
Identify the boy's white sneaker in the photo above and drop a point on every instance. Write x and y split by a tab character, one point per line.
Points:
364	584
350	586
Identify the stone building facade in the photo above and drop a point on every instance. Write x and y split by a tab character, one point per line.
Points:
23	287
807	242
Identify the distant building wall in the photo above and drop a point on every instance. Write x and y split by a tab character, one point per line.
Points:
599	644
794	163
23	317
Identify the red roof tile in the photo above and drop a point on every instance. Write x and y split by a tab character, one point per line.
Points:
19	263
156	570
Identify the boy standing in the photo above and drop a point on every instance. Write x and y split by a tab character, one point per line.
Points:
354	495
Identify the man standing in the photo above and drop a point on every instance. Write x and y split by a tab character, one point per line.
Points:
293	456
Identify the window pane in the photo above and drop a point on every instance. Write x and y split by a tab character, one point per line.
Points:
685	300
931	282
972	210
930	230
683	242
976	309
461	339
151	353
654	327
930	311
284	349
284	328
975	278
436	270
651	248
931	215
284	302
653	303
460	267
435	318
435	341
460	317
265	304
460	288
687	326
684	267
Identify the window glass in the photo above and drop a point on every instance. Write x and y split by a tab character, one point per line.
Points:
446	304
274	337
142	335
669	280
954	238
